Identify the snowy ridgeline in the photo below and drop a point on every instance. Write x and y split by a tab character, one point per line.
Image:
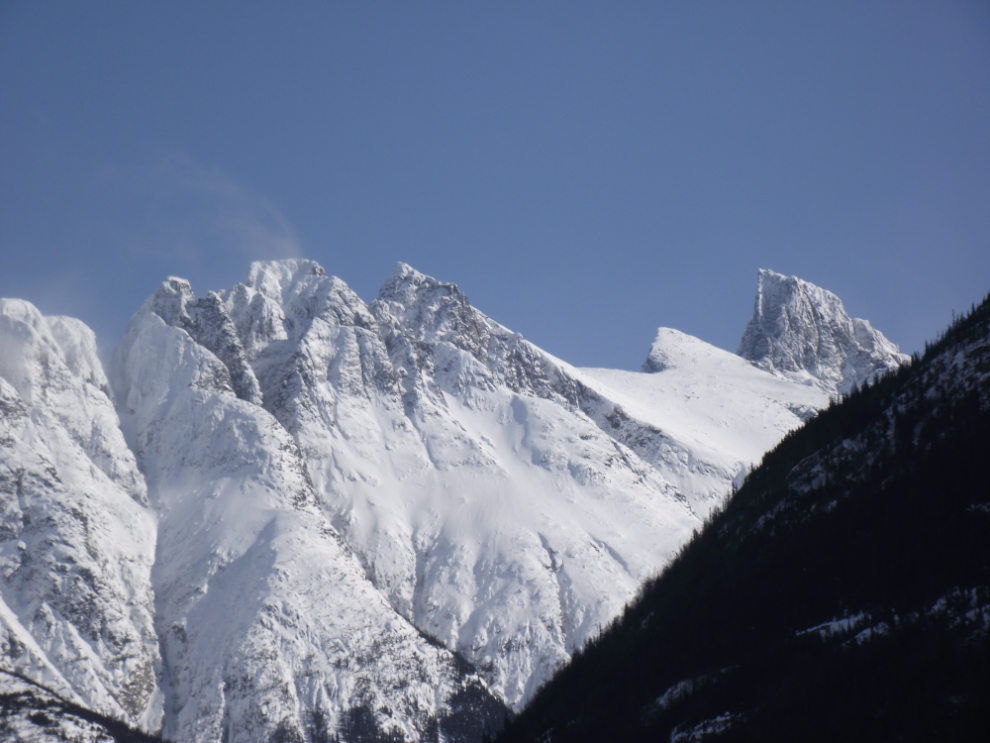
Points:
308	502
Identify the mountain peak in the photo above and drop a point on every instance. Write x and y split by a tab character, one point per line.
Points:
406	285
170	299
667	350
273	278
803	331
404	271
430	309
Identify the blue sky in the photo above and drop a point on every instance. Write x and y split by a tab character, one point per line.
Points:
586	172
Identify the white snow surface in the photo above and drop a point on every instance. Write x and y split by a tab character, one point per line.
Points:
76	540
712	414
704	730
837	626
803	332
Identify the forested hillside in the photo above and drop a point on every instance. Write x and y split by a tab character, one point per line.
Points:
842	593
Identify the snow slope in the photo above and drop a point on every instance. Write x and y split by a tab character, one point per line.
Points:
714	414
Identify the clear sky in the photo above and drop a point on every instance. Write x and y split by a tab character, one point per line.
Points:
586	172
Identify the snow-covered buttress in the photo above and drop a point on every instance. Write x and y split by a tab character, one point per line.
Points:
77	542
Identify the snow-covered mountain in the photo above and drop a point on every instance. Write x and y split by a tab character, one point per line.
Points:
454	459
335	497
77	542
803	332
268	624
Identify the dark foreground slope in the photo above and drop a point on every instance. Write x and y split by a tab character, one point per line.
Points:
843	593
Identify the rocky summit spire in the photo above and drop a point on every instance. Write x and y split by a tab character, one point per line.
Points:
802	331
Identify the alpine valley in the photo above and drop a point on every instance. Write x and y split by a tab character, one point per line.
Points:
284	514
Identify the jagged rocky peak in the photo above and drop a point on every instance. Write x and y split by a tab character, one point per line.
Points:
420	316
28	349
275	278
280	299
304	291
432	310
53	364
296	323
267	622
207	322
170	299
802	331
405	282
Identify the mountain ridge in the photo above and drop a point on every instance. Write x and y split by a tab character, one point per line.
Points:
478	507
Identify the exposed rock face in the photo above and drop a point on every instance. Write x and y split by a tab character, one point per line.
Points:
206	321
76	540
803	331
